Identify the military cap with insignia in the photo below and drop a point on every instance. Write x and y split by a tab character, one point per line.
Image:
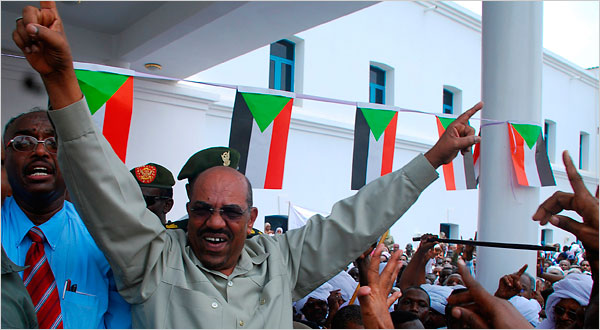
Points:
207	158
153	176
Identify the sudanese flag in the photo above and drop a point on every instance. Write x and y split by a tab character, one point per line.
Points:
374	143
529	156
259	131
110	99
460	173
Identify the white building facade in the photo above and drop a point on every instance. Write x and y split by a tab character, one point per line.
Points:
423	49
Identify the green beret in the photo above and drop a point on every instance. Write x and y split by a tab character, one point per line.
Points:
207	158
153	176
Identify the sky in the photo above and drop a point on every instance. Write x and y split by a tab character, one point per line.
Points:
571	29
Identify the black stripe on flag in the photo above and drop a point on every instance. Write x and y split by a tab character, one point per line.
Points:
543	164
469	170
361	151
241	130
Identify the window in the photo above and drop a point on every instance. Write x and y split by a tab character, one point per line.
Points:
451	100
281	72
376	85
547	236
584	146
550	139
450	229
448	102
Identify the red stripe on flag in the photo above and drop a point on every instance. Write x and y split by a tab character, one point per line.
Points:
449	176
389	145
279	137
518	155
117	118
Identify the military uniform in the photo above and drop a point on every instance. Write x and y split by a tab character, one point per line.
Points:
159	274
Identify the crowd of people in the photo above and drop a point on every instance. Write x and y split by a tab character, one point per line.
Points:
87	244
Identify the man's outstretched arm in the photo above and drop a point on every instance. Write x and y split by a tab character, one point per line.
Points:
105	194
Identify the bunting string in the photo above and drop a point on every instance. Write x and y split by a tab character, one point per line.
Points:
98	67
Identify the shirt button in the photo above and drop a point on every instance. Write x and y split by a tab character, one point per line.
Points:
241	323
262	301
230	283
214	305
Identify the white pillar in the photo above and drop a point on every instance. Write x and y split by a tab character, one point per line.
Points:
511	90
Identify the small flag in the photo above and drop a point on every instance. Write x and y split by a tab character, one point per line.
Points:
374	143
529	156
460	173
259	131
110	99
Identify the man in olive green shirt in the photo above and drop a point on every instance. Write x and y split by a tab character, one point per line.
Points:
211	277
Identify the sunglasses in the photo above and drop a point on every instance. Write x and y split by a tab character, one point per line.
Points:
151	200
25	143
230	213
572	315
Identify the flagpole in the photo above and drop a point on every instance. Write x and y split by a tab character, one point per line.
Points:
511	80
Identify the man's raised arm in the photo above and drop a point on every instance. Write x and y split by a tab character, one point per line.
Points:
105	194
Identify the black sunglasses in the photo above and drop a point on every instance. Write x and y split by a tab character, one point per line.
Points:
230	213
559	310
151	200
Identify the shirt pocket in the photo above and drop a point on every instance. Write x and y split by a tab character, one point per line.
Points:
274	303
194	309
80	311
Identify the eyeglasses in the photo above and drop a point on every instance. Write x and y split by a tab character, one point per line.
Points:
559	310
151	200
26	143
231	213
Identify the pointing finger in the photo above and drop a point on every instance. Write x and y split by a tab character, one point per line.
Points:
522	270
465	116
574	177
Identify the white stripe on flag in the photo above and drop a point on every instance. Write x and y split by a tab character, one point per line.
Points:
458	164
374	158
531	166
98	117
258	155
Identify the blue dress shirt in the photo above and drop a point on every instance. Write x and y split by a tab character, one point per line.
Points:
73	256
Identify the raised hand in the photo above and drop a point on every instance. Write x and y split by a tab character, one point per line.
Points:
476	308
41	37
580	201
374	300
459	136
510	285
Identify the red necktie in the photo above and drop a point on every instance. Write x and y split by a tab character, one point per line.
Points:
39	281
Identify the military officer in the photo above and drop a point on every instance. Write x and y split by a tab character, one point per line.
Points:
156	183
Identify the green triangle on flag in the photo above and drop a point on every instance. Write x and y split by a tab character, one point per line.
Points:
378	120
98	87
445	121
529	133
264	107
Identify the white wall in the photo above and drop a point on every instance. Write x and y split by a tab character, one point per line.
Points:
426	49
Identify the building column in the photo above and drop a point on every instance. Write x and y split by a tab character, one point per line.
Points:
511	90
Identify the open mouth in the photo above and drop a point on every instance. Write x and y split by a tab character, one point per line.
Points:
39	171
214	243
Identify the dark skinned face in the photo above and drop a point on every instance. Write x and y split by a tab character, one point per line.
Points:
33	175
315	310
159	206
217	241
568	314
415	301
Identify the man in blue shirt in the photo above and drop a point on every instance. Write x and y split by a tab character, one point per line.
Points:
86	290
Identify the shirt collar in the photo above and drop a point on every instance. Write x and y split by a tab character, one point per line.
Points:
52	228
244	265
